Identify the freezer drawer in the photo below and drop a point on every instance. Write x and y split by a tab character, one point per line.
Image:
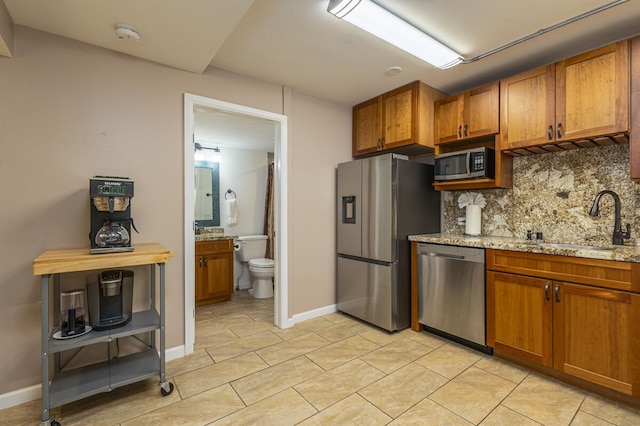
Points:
367	291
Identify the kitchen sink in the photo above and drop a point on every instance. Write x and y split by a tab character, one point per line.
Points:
574	246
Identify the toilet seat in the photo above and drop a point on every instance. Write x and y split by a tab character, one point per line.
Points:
261	263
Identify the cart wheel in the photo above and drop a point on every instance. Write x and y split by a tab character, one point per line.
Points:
166	392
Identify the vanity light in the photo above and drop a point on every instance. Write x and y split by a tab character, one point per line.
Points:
381	23
215	157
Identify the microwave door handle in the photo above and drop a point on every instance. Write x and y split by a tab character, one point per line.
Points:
469	164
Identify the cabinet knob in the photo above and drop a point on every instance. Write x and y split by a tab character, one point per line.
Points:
559	130
205	261
465	130
459	131
550	132
201	262
556	293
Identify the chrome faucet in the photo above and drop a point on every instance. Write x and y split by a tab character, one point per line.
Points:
618	234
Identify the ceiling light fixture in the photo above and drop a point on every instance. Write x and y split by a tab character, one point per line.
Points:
381	23
127	31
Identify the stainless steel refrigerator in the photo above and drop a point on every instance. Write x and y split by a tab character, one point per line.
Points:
381	201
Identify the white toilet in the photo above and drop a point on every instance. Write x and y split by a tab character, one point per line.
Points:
251	249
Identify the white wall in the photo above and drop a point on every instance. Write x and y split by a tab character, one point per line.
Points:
245	172
70	111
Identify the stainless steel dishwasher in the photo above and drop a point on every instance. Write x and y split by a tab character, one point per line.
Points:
451	293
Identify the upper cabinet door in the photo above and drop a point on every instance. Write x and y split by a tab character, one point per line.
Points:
468	115
527	108
400	120
481	111
399	110
367	127
448	119
592	93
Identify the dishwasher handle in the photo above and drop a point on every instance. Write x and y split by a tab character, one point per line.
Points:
458	253
448	256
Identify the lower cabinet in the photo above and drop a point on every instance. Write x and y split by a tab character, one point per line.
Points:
555	320
214	271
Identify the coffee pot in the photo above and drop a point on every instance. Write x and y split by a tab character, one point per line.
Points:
112	234
111	220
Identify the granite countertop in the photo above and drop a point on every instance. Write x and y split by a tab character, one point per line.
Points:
211	233
610	252
214	236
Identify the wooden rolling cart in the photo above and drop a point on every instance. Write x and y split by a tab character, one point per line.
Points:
65	386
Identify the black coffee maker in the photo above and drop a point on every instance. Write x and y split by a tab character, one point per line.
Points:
110	298
111	220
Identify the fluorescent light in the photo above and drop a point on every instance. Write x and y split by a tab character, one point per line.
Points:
381	23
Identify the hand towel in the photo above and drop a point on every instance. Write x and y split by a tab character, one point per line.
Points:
232	212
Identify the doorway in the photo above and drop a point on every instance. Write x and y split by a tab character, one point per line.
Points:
191	102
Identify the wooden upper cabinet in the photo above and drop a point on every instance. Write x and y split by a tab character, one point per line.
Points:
527	108
400	108
634	125
583	97
400	120
592	93
468	115
367	126
448	118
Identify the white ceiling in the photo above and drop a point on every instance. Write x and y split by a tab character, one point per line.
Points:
216	128
297	43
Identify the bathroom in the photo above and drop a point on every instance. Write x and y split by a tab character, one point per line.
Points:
242	148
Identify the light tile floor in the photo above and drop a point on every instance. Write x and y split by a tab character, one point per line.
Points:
332	370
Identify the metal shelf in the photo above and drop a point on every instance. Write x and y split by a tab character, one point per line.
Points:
71	385
141	322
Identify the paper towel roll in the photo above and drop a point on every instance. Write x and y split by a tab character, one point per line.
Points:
474	216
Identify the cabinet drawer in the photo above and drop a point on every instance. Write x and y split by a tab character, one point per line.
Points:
601	273
217	246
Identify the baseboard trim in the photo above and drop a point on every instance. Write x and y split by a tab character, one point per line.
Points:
20	396
326	310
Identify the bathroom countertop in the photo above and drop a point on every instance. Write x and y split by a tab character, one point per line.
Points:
214	236
610	252
212	233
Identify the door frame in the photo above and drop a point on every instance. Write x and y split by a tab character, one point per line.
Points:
281	291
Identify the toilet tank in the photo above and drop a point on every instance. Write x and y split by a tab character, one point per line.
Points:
251	247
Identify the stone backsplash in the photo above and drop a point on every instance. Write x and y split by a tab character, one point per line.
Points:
553	193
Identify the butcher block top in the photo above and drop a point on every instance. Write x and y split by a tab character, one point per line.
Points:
74	260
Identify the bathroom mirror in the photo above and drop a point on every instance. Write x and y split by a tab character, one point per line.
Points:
207	193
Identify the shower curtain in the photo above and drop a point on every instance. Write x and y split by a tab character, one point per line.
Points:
269	230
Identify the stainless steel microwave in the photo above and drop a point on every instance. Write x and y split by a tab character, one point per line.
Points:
468	164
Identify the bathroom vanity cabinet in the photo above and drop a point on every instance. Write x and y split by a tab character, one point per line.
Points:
214	271
66	385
